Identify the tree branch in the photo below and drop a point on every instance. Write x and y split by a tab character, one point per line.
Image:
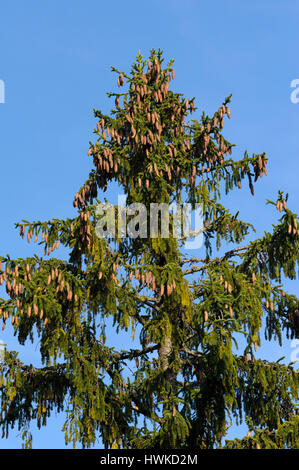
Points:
227	255
137	352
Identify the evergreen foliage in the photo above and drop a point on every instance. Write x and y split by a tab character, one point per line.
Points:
186	382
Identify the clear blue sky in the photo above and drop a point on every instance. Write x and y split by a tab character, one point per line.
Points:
55	60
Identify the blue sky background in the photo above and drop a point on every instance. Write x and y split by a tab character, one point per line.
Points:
55	60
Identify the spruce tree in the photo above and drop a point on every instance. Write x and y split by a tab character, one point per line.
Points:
186	381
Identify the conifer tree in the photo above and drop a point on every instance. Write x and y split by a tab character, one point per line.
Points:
186	382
